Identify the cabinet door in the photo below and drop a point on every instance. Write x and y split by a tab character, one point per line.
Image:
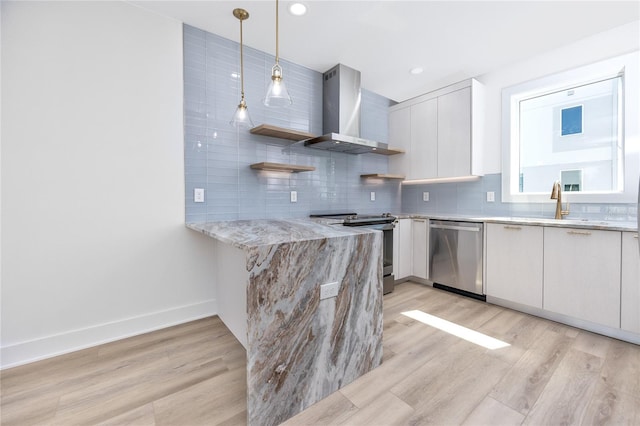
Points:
514	263
419	240
396	250
404	249
424	140
400	137
582	274
630	307
454	133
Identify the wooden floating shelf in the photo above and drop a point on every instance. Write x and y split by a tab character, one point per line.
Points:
282	167
280	132
388	151
383	176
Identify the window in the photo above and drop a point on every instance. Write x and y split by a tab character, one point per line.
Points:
571	118
556	135
570	127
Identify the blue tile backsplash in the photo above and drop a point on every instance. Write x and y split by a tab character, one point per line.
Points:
470	198
217	155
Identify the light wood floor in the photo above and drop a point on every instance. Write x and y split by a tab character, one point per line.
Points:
194	374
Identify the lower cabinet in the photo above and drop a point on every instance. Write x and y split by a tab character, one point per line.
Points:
404	262
419	242
630	283
514	268
582	274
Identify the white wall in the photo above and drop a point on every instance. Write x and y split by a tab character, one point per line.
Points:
601	46
94	246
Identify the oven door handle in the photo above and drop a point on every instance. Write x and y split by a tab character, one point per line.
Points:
380	226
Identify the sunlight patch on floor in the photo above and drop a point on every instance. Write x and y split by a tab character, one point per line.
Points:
456	330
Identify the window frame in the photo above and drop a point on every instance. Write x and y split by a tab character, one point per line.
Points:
628	67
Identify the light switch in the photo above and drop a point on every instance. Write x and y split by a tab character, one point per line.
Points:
373	196
294	196
491	197
198	195
425	196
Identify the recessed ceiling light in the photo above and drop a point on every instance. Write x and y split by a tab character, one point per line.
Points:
297	9
235	75
416	70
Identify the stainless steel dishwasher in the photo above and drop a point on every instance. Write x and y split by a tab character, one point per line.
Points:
455	257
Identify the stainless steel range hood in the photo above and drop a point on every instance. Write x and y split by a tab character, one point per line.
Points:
341	115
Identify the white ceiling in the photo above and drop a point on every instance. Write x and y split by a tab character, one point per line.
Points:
451	40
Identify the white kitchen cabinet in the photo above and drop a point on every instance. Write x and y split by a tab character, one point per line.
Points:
400	137
454	134
630	283
582	274
405	256
424	140
420	238
514	268
396	251
445	133
414	129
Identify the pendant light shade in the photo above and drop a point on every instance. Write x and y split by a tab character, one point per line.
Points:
241	117
277	93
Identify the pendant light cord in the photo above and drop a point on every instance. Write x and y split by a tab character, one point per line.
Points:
241	64
277	43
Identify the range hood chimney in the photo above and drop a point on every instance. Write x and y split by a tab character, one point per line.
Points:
341	115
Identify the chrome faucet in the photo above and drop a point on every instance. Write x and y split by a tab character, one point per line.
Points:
556	194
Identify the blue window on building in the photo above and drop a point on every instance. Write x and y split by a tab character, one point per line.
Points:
572	120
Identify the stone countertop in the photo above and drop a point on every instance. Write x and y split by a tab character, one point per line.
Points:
248	234
300	346
537	221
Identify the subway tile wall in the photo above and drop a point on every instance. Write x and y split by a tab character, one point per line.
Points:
470	198
217	155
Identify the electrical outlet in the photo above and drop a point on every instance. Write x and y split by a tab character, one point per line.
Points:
198	195
329	290
425	196
373	196
491	197
294	196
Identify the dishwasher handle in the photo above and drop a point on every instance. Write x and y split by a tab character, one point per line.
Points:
456	228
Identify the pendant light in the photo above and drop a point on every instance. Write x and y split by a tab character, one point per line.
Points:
277	94
241	117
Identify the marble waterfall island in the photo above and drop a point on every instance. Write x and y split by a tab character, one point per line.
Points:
299	348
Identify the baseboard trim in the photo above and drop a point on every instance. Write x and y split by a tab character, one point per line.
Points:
74	340
414	279
616	333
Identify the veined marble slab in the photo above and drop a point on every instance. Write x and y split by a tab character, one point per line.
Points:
300	349
254	233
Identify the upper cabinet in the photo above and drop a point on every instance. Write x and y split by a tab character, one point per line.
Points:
454	134
440	131
424	143
400	134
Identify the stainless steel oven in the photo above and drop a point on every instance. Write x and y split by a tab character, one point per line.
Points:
387	253
383	222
